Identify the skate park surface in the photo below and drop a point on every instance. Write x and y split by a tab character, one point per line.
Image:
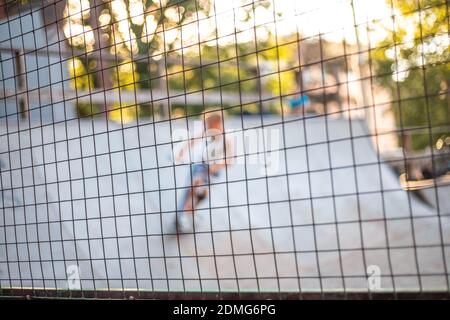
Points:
315	209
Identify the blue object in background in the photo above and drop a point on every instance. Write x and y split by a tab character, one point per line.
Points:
303	99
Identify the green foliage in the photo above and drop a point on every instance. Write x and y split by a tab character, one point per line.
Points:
245	67
413	63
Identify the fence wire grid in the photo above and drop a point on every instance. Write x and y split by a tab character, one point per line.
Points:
203	148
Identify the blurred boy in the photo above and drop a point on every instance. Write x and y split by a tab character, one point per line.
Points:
208	156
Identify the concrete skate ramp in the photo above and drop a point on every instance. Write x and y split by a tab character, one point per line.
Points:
102	197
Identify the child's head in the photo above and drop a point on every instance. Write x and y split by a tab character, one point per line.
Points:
214	121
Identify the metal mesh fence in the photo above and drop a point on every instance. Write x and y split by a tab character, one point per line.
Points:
202	148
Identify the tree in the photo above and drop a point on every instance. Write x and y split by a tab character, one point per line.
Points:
112	33
413	63
143	44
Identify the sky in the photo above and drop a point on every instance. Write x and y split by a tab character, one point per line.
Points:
314	17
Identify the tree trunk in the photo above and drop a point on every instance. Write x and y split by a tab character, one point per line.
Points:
103	75
407	148
2	10
447	94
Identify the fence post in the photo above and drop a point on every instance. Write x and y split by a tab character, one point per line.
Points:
19	57
162	76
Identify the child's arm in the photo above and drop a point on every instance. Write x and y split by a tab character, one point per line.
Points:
229	154
186	147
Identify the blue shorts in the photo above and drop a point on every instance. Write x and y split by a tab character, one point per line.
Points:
198	170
